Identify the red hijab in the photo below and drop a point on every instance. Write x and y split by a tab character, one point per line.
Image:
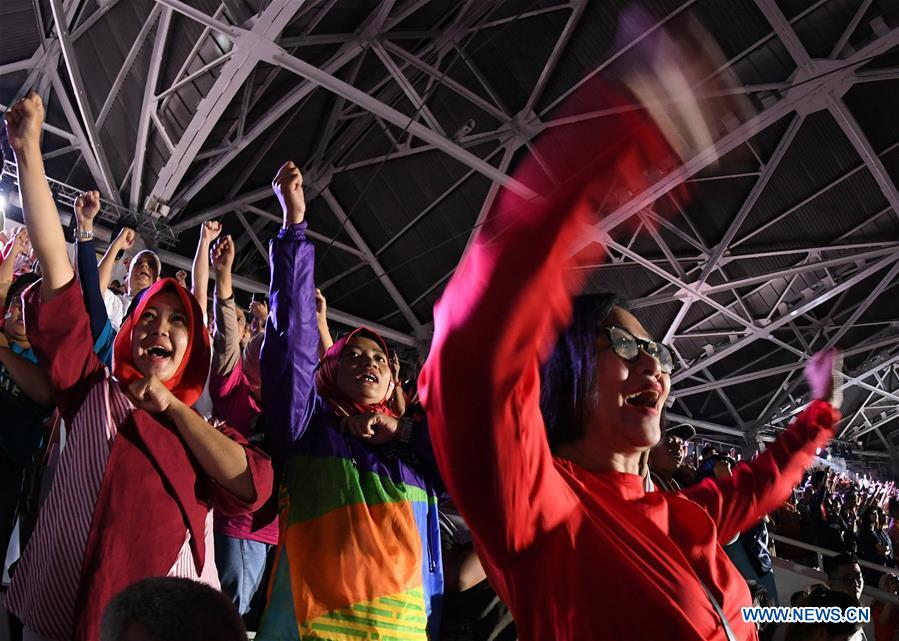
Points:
326	378
189	379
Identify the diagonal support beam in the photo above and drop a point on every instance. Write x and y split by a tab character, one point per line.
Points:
786	318
149	106
388	113
850	127
347	53
756	192
81	99
408	89
798	96
373	262
250	47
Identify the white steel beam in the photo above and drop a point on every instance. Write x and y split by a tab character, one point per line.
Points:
786	318
344	318
252	234
56	131
836	106
407	88
718	251
850	127
577	10
336	244
148	106
705	425
391	115
445	80
250	47
16	67
797	97
126	65
90	131
104	8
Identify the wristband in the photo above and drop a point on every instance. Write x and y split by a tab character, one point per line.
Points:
84	235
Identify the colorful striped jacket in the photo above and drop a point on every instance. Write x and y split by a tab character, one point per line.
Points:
359	553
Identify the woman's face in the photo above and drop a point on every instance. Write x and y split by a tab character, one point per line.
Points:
618	424
160	336
363	373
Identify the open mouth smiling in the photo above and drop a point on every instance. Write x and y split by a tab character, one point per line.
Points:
158	352
645	398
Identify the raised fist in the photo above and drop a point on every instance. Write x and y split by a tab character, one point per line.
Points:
23	122
210	230
222	255
87	206
288	187
126	238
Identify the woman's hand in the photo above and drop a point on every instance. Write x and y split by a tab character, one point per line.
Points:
209	231
150	395
374	427
321	307
222	255
23	123
288	187
126	239
87	206
395	368
822	373
21	244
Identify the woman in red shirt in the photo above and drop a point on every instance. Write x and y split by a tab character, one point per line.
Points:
566	533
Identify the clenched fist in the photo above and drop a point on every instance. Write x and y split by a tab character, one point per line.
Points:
288	187
87	206
150	395
210	231
222	255
23	123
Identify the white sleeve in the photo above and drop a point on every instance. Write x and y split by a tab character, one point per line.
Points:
114	309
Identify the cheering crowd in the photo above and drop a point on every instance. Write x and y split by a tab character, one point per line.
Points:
224	470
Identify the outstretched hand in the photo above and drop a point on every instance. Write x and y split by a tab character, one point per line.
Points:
288	187
822	373
23	123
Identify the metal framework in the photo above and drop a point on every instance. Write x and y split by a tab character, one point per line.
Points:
721	298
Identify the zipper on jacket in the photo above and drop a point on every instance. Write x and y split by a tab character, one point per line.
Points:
432	564
349	450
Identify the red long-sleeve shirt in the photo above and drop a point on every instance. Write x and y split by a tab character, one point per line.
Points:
576	554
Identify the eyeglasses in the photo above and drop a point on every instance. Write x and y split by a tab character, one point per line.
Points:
627	346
